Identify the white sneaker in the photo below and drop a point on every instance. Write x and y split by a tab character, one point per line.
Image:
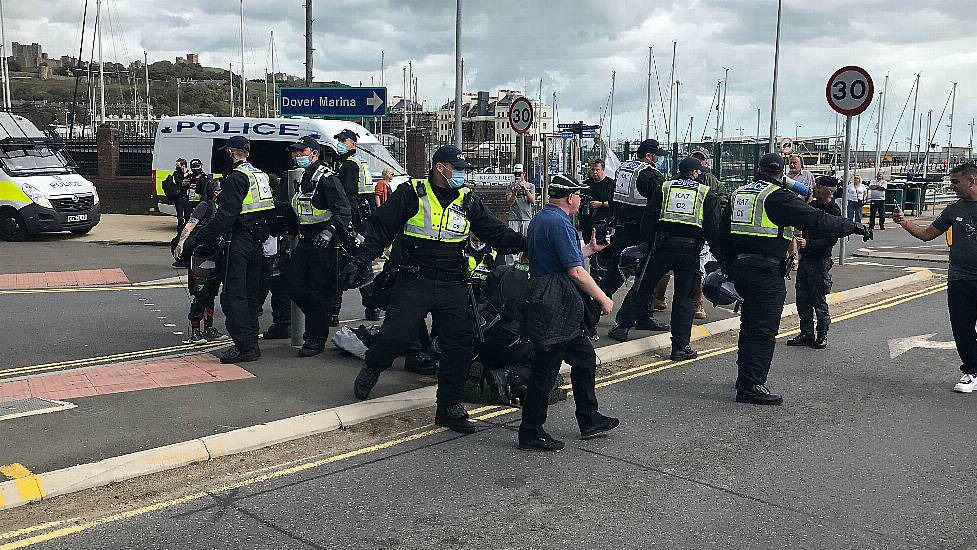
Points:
967	383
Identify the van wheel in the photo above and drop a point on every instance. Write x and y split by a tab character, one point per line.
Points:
12	226
82	230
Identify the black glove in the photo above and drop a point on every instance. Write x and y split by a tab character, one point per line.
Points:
323	239
865	232
351	275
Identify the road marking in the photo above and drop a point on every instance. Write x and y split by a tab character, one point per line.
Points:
483	413
35	528
28	485
90	289
898	346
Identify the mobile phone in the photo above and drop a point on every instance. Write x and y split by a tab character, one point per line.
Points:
600	231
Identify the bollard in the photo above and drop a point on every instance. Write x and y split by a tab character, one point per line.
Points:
298	318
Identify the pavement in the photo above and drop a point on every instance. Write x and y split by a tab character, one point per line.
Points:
868	451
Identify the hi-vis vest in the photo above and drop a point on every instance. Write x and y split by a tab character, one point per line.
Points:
682	202
366	185
259	197
447	225
626	186
749	213
302	202
480	271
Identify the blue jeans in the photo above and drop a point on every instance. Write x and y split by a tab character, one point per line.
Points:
855	211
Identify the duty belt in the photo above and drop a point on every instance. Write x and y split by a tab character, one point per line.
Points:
668	239
766	259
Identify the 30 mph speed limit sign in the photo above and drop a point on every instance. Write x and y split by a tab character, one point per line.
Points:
521	115
850	90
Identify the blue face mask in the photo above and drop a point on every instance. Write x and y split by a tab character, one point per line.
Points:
457	180
661	164
341	148
303	162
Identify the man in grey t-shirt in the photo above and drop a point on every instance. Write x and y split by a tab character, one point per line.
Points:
960	218
520	200
877	200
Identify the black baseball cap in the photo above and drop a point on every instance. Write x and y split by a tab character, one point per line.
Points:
826	181
304	142
651	146
688	165
237	142
452	155
772	161
562	186
195	163
346	134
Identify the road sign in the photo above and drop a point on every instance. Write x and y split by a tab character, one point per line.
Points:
850	90
521	115
334	102
786	146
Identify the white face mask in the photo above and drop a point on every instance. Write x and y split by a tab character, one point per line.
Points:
478	246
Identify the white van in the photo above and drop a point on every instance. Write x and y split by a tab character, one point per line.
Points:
202	137
39	191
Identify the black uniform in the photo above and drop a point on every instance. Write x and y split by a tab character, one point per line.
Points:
814	277
244	234
756	268
431	278
602	191
312	270
273	277
361	207
181	202
676	248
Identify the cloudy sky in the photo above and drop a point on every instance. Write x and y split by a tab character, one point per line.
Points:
574	46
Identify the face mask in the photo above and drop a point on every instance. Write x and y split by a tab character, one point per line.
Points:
661	164
303	162
457	180
197	171
341	148
478	246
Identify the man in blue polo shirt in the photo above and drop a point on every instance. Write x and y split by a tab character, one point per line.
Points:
559	289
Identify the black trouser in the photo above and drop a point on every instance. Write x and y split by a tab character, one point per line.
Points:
961	296
813	284
625	235
277	285
579	353
241	296
202	300
762	287
876	207
683	260
312	284
183	211
411	299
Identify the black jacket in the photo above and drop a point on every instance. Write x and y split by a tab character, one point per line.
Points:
386	226
554	310
603	191
819	247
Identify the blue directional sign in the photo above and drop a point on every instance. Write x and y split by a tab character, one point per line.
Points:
334	102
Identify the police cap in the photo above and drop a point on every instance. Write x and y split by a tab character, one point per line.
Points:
237	142
826	181
195	163
562	186
304	142
772	161
689	165
650	146
452	155
346	134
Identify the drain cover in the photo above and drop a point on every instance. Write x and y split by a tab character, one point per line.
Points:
15	408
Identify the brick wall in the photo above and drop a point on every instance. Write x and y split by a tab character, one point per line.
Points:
119	194
493	197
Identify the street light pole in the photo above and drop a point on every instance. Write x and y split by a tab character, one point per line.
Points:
796	127
458	74
773	99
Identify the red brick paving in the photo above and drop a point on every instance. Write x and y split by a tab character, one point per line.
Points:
121	378
85	277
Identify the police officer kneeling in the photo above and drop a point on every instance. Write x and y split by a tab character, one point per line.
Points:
242	211
324	218
814	272
428	221
685	214
761	218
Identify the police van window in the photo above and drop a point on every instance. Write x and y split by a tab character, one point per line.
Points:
271	157
378	158
32	159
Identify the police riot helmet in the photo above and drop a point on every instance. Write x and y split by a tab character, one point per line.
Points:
632	258
718	289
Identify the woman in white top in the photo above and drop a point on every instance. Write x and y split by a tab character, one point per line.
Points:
856	198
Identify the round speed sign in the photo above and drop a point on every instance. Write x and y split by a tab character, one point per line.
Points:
850	90
521	115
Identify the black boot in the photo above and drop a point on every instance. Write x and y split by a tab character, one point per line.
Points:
234	355
540	441
683	354
619	333
365	380
312	346
802	339
334	320
372	314
758	394
277	332
821	341
652	324
420	363
602	424
455	418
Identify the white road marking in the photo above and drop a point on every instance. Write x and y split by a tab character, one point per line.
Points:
898	346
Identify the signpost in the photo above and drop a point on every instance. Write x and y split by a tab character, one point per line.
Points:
849	92
521	120
342	102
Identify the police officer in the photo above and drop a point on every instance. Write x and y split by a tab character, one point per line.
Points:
688	214
761	221
242	210
199	183
814	272
357	180
283	224
635	181
428	221
324	221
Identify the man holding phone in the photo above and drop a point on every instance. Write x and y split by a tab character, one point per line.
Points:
961	291
520	201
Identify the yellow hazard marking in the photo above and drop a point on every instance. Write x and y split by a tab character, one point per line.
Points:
489	412
28	485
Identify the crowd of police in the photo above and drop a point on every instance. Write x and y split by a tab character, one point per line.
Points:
426	229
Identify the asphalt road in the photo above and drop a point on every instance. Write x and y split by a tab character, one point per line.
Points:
867	452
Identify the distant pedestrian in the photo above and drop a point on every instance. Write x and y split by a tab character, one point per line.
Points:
383	187
520	201
559	289
243	207
797	171
961	219
181	177
877	204
856	199
599	194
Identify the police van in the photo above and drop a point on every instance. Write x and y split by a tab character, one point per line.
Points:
202	137
39	190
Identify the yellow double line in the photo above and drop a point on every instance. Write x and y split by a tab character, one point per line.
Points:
63	289
481	413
